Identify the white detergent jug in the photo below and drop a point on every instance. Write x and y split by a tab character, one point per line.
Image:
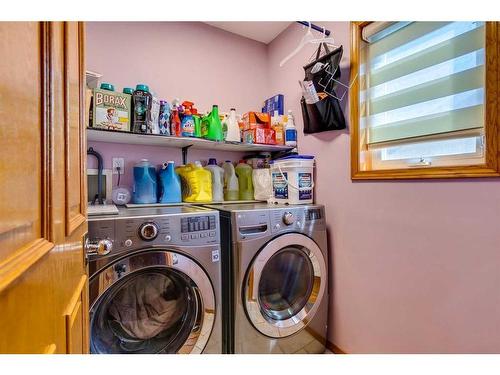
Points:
262	184
217	180
231	185
233	129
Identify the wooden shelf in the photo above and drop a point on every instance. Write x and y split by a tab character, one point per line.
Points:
176	142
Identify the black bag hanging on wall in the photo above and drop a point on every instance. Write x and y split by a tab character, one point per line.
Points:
325	114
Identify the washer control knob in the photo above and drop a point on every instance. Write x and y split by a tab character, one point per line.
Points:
148	231
288	218
128	242
168	238
99	247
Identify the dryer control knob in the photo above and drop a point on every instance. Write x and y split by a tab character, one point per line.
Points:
148	231
288	218
99	247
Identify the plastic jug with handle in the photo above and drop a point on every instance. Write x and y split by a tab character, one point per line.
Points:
196	183
217	180
244	173
231	186
170	184
145	186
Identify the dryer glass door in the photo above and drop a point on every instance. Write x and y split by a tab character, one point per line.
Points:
152	302
284	285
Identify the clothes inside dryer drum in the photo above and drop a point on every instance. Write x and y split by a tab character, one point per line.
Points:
150	311
147	306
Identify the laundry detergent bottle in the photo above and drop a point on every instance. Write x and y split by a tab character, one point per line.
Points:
211	126
233	129
231	186
141	115
196	183
244	173
217	180
170	184
145	186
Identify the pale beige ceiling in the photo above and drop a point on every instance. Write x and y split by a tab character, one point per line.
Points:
261	31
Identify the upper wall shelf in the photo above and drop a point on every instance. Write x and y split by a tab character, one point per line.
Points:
176	142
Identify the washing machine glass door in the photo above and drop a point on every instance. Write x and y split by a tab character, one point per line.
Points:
151	302
284	285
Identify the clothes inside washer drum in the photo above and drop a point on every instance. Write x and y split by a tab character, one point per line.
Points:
145	307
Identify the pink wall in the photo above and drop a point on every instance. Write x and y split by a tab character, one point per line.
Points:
189	60
415	264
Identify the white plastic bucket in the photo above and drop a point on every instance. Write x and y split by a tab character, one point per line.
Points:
293	180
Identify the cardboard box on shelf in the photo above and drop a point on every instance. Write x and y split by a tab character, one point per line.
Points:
254	120
111	110
263	136
275	103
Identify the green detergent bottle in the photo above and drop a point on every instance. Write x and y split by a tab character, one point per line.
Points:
244	173
211	127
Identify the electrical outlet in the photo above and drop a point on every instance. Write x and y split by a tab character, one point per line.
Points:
119	163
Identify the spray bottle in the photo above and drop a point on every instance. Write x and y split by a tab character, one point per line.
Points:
187	123
175	122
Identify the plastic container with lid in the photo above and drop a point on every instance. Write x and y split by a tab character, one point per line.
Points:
141	113
170	184
107	86
293	179
244	173
196	182
231	186
217	180
145	185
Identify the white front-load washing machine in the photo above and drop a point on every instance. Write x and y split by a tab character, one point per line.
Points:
155	281
275	278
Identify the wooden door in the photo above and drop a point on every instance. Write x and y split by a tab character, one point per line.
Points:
43	277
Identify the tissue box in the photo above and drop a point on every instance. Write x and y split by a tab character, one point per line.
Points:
263	136
275	103
254	120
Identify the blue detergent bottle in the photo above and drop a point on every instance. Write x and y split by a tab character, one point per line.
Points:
145	186
170	184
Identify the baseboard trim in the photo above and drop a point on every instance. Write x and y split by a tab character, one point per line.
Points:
334	348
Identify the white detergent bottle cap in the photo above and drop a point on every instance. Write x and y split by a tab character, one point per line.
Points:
197	163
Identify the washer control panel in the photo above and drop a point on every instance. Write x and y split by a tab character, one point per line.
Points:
129	233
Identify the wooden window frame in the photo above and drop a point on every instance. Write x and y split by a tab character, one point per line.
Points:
491	166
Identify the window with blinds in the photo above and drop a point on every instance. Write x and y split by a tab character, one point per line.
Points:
421	94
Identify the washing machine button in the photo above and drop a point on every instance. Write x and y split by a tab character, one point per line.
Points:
212	234
194	236
168	238
128	242
185	237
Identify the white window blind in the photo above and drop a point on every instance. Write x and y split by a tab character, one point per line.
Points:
422	81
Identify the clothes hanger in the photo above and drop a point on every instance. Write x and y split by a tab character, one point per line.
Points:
308	38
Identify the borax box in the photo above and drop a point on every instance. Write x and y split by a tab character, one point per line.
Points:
111	110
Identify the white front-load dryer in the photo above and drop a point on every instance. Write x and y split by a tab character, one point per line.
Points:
276	260
158	290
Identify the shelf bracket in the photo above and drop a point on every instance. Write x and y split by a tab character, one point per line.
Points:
185	154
